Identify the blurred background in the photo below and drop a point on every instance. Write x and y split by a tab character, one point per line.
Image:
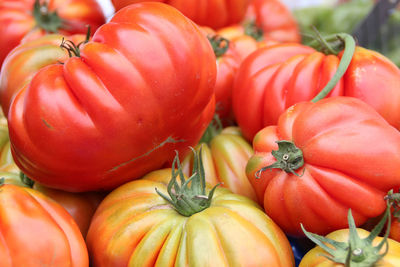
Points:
293	4
381	32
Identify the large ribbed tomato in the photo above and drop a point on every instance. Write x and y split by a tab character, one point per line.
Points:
275	77
36	231
27	18
336	154
212	13
135	226
26	59
140	89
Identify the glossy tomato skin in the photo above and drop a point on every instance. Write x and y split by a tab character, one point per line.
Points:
212	13
275	19
314	257
17	20
228	60
225	158
227	66
120	110
274	78
250	86
341	168
36	231
81	206
134	226
22	63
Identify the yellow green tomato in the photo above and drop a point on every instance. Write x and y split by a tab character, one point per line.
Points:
159	221
315	258
225	157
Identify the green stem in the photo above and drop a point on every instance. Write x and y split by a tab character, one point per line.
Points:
190	196
72	48
45	19
326	48
251	29
219	44
347	56
356	252
288	158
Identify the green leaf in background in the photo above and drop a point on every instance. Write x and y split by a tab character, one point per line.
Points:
345	18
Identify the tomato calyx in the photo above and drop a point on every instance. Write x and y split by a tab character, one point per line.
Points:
72	48
253	30
356	252
190	196
288	158
349	48
45	19
219	44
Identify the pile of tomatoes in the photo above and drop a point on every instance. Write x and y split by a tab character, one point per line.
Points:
193	133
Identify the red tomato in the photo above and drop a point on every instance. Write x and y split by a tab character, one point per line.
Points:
81	206
142	88
275	20
228	61
351	160
273	78
36	231
19	18
212	13
22	63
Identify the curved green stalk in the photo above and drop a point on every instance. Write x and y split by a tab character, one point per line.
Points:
190	196
347	56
